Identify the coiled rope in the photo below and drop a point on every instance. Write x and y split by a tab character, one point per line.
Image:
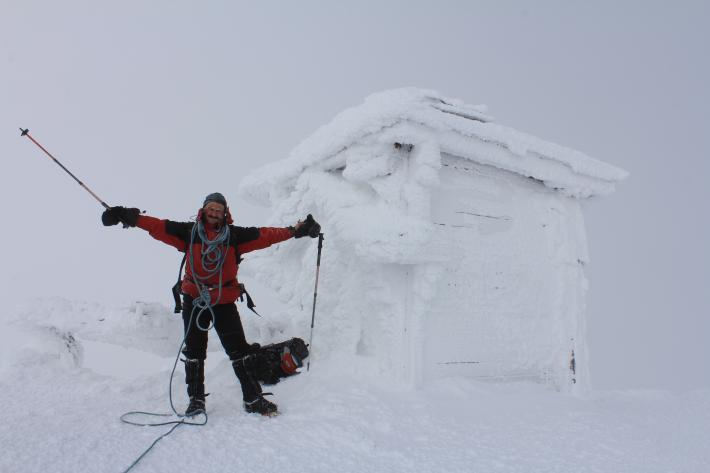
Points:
213	254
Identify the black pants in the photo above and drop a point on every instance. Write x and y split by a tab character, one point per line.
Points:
227	324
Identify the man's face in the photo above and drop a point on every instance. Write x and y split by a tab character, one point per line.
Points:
214	213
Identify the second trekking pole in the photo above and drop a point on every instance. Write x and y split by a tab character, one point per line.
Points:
315	295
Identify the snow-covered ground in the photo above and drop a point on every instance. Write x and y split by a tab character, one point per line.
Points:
372	401
69	369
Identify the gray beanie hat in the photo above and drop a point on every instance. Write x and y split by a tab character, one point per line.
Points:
215	197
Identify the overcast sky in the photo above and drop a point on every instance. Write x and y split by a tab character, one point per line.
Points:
155	104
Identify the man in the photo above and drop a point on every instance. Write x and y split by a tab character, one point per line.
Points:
210	288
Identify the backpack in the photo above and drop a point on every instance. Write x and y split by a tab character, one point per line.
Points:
280	360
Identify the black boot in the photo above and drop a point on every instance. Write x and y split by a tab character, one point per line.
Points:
195	379
261	406
254	401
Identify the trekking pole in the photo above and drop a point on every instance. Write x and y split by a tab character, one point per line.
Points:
315	295
26	132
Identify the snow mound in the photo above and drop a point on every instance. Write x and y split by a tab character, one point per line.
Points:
57	330
342	420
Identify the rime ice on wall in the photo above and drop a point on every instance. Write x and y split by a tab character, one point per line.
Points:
454	245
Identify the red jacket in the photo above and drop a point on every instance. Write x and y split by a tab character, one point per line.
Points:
241	240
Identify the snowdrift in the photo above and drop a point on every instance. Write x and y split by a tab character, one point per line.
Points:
60	414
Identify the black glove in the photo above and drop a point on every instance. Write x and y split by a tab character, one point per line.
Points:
127	216
308	227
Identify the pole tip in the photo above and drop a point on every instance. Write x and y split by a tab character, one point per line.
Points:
24	131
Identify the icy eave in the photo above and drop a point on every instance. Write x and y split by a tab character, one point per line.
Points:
464	130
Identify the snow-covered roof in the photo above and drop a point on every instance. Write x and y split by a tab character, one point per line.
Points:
412	116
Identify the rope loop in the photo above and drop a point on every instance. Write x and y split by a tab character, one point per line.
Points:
213	254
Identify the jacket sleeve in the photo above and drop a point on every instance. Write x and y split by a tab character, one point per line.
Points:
157	229
267	237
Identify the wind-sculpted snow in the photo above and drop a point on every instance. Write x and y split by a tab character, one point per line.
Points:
433	263
59	329
407	115
453	244
63	418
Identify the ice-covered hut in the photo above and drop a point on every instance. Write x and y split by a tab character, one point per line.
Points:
453	245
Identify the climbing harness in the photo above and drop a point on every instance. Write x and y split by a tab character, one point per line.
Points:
213	254
177	288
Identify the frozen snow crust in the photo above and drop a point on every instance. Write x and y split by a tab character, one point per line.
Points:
60	411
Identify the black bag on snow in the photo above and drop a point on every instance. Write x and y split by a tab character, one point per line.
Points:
280	360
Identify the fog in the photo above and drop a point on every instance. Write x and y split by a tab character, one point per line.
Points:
156	104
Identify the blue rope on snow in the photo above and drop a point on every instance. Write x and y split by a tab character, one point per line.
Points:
213	254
